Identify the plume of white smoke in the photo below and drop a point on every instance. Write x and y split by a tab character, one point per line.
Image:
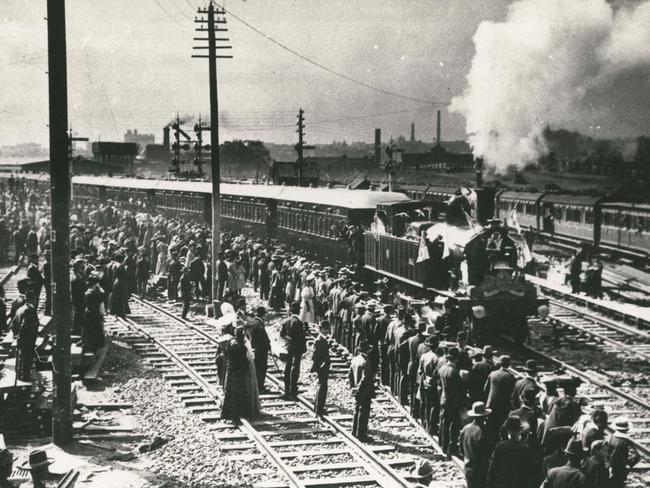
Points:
564	63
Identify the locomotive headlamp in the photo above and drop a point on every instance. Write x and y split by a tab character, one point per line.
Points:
478	311
542	311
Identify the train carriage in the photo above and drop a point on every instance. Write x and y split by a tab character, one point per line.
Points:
525	204
625	226
574	218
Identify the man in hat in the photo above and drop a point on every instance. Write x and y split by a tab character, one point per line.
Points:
448	319
35	276
6	468
362	382
430	400
622	454
334	299
261	345
222	275
368	324
391	351
77	290
513	464
595	466
405	331
479	374
143	270
185	288
321	365
499	387
529	415
596	431
452	398
414	343
381	326
475	447
293	332
569	475
526	382
175	271
38	466
422	473
26	320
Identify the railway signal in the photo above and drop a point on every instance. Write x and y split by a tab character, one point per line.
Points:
199	146
213	25
301	146
394	159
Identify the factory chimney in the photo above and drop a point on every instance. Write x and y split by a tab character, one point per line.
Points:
166	137
377	147
412	131
438	129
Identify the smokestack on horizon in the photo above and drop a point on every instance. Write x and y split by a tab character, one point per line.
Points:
166	137
438	128
377	147
412	131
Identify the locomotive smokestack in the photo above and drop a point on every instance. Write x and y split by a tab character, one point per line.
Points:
377	147
166	137
438	128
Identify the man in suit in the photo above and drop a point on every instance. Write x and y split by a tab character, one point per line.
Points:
499	387
451	400
381	326
362	382
478	375
26	320
175	273
529	414
293	332
622	454
569	475
261	345
513	464
321	365
402	335
527	382
475	447
430	401
414	364
35	276
185	287
143	270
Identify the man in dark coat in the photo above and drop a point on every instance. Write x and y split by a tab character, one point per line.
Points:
222	274
622	454
529	415
449	319
595	466
27	331
414	364
526	382
362	382
264	276
478	376
569	475
513	464
261	345
35	276
31	243
402	353
429	398
185	287
142	273
77	291
452	398
381	326
475	447
293	332
175	273
499	387
19	244
321	366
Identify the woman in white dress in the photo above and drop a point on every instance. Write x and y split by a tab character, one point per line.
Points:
307	312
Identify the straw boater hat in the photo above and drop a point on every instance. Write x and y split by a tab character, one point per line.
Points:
479	410
621	424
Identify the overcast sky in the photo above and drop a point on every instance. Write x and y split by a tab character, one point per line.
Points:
129	66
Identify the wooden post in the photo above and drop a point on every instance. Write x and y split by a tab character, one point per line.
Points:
60	233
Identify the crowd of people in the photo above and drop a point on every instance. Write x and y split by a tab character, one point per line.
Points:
516	434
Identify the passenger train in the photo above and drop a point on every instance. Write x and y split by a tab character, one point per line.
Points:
491	292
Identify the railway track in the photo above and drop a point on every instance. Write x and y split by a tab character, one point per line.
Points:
306	450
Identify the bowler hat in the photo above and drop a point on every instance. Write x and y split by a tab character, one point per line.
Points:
260	311
574	448
422	469
488	351
453	353
37	459
621	424
479	410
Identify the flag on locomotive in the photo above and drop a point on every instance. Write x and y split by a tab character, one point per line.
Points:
479	265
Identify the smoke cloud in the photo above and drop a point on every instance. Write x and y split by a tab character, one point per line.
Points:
579	64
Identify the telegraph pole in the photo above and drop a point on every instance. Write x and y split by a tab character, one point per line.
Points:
60	232
300	147
211	28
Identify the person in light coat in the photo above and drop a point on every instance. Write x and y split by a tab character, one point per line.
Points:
307	312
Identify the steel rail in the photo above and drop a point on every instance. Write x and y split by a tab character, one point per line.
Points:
386	475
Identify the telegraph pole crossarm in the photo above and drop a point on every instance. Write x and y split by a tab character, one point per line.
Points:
211	26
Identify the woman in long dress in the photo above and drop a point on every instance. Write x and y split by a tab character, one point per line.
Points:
161	266
276	298
307	312
251	381
92	336
237	401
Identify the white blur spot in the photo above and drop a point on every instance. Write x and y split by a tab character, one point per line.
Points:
376	46
402	58
441	63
